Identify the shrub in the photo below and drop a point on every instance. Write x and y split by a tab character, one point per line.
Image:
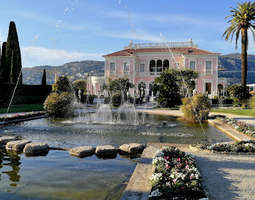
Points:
60	102
196	108
59	105
116	99
252	102
62	85
239	94
90	98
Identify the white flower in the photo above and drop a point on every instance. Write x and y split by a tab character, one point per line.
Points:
155	178
158	160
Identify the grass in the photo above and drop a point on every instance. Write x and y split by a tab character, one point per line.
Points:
23	108
244	112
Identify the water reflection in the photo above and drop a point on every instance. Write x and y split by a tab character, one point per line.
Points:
10	165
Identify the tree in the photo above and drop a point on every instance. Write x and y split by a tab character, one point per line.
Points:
241	20
169	92
44	81
186	80
80	85
237	94
12	57
120	85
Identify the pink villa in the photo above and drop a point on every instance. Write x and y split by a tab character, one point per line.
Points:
145	61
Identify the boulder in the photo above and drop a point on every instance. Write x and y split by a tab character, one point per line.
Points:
17	145
36	149
82	151
132	148
5	139
106	151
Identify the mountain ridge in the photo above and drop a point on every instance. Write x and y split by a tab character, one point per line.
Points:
229	67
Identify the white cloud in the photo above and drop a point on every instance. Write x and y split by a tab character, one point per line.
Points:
35	55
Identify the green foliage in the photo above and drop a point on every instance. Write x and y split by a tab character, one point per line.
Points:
186	81
90	98
196	108
80	85
62	85
116	99
238	93
59	104
2	64
241	20
44	81
11	59
241	17
23	108
169	93
121	86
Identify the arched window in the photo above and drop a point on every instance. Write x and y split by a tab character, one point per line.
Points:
165	65
159	66
152	66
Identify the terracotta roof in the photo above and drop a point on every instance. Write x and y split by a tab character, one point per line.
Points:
181	50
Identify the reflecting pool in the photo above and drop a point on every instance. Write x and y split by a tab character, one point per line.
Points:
61	176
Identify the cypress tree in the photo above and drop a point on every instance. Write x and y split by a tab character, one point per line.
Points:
5	73
44	82
12	67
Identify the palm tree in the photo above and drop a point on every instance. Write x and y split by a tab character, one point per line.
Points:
241	20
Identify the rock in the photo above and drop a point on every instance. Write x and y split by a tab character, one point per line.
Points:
132	148
17	145
5	139
82	151
36	149
106	151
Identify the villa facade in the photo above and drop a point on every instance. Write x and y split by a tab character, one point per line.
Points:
145	62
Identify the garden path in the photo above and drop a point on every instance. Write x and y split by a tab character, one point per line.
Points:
224	176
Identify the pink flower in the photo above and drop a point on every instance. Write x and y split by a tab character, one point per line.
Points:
166	157
178	160
167	166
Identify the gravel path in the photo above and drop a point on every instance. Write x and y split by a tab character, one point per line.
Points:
228	177
225	177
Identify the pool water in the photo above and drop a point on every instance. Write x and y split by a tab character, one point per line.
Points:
60	176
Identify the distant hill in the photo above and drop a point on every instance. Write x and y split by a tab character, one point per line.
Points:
229	67
74	70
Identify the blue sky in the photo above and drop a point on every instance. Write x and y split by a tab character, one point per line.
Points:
57	31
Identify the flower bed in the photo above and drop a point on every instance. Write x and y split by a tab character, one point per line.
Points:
238	147
239	126
175	176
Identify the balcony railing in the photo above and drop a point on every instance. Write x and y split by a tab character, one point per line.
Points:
161	45
147	74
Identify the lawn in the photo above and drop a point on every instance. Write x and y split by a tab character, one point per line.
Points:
245	112
23	108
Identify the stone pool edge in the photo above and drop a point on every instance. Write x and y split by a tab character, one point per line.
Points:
21	117
139	186
229	131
